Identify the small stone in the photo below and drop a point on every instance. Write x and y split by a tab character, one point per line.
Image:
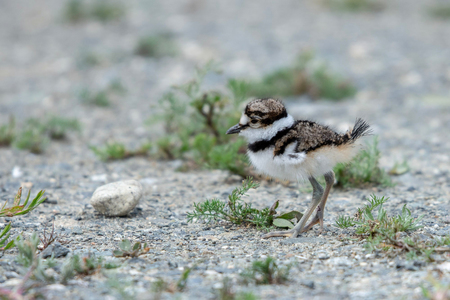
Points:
136	260
400	264
11	274
51	201
444	267
340	261
323	256
307	283
56	249
16	172
77	230
211	273
218	285
117	198
12	282
99	178
56	287
411	267
419	263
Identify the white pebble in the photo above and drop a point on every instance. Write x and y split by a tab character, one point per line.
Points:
117	198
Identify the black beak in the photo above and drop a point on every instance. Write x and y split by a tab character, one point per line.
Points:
235	129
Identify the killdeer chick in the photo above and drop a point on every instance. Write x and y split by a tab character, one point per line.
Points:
284	148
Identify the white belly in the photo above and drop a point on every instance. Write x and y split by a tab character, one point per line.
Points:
263	161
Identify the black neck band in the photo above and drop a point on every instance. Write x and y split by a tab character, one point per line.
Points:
264	144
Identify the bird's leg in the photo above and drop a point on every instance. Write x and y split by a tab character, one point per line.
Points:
316	199
318	218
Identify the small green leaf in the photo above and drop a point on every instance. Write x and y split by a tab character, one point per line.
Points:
283	223
136	246
5	231
125	245
9	245
290	215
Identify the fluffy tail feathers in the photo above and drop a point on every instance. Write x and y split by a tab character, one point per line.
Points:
360	129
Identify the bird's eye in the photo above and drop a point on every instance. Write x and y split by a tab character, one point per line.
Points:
254	121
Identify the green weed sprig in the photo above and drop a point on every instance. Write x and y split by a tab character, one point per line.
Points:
234	210
266	272
381	231
239	212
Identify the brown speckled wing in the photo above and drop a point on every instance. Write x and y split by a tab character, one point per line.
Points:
312	136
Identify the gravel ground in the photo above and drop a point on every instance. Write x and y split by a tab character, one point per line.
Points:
399	59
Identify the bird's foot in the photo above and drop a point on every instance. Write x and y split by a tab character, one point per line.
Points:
293	233
318	219
313	222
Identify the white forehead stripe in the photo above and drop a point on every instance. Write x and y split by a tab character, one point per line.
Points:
244	120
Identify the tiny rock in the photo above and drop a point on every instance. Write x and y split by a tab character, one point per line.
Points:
56	249
117	198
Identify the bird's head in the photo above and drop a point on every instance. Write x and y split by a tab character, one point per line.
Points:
261	117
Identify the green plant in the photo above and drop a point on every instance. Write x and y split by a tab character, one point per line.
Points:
226	292
116	86
28	258
27	250
32	138
182	281
195	122
57	127
115	151
102	98
126	249
210	154
107	10
35	268
381	230
34	265
102	10
16	210
235	210
355	5
156	46
159	286
74	11
7	133
266	272
89	59
440	11
4	235
246	296
363	169
36	132
83	266
238	212
122	286
307	75
368	223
